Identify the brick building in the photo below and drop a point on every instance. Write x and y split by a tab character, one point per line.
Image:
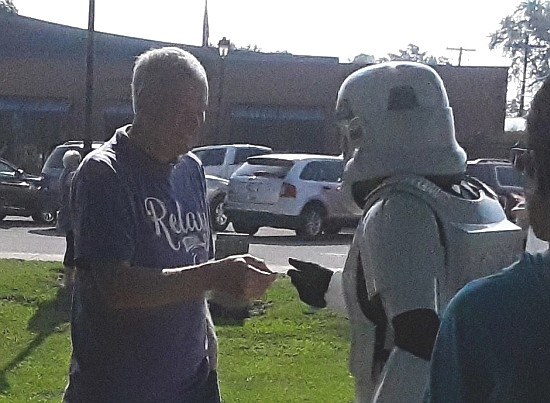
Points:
280	100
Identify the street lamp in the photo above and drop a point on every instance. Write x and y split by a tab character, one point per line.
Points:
87	140
223	48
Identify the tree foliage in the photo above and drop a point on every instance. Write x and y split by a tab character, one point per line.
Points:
250	48
7	6
524	36
411	53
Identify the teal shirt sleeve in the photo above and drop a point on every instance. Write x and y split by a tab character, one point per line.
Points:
458	370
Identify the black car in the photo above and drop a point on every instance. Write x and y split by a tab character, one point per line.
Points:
507	182
53	167
21	194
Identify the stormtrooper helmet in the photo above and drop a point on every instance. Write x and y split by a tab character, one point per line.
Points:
394	118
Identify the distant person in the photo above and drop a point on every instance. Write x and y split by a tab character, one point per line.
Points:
143	247
493	344
71	160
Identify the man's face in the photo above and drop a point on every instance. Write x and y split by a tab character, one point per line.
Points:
184	121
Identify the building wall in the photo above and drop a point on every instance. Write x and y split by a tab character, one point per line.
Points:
289	99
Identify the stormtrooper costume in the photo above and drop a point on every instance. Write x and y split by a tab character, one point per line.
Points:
426	229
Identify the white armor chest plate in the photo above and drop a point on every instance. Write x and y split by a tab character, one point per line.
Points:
476	237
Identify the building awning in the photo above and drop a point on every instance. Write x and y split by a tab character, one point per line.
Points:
119	110
277	112
34	105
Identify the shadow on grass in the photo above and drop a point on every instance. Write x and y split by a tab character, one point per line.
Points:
224	315
50	315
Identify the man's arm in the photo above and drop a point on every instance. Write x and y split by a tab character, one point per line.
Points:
123	286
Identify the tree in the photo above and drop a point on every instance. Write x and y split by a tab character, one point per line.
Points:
250	48
364	59
524	36
7	6
412	53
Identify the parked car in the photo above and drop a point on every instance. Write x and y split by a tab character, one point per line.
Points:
224	159
51	171
216	187
507	182
216	190
21	194
294	191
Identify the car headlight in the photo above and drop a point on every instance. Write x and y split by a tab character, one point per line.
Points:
34	187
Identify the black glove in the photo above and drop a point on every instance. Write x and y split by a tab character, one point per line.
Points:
311	280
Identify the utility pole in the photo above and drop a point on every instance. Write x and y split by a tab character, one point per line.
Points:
89	78
460	50
524	78
526	52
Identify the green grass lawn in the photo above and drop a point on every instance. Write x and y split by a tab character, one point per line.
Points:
283	355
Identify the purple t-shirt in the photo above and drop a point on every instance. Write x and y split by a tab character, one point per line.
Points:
128	207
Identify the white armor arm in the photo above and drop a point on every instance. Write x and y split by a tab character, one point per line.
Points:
402	254
335	295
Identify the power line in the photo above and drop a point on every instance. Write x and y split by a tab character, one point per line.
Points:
460	50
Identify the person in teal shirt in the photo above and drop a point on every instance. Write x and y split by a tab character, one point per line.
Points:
493	344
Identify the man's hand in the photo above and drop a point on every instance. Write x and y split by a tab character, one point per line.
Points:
243	277
311	280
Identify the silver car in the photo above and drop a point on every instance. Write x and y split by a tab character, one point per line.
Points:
223	159
294	191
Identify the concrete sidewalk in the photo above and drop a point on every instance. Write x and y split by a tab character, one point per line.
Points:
31	256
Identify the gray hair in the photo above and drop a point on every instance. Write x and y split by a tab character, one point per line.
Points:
71	159
157	71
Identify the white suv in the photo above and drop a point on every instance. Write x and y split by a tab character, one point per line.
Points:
222	160
294	191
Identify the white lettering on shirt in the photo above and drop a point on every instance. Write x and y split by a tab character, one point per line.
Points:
171	225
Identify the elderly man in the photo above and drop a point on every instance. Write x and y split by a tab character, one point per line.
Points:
140	323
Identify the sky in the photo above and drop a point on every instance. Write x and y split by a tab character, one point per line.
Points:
343	28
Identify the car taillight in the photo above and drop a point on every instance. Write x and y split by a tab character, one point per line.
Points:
287	190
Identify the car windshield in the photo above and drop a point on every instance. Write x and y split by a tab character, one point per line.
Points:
211	157
265	167
55	160
509	176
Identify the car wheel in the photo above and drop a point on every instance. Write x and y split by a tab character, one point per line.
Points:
245	228
46	216
217	214
312	218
